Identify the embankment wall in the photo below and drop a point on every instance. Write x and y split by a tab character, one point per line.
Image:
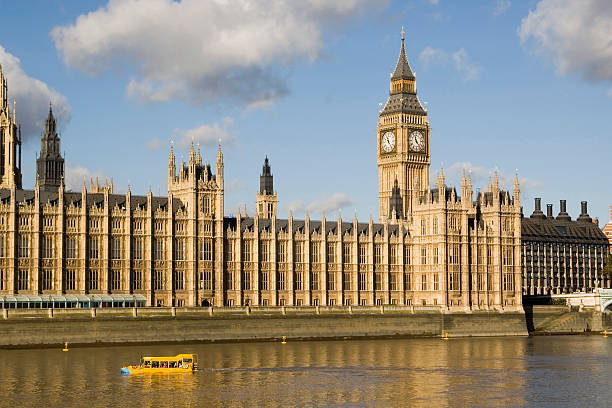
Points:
548	319
36	328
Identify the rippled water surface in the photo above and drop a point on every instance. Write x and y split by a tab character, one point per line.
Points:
540	371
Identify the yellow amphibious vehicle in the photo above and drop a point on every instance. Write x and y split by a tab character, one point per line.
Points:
182	363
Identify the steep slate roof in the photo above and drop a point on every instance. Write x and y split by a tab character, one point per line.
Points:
93	199
405	103
402	69
248	223
553	230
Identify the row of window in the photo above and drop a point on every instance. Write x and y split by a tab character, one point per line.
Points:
116	282
426	281
205	249
116	224
94	281
428	255
528	247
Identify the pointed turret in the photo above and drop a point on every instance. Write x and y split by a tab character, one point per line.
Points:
402	68
395	202
517	189
266	180
403	95
192	156
266	202
50	163
171	166
496	183
441	183
10	159
3	91
219	166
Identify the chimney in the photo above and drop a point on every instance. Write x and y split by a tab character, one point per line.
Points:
549	211
537	213
584	216
563	215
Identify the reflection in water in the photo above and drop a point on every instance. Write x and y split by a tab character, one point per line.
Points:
417	372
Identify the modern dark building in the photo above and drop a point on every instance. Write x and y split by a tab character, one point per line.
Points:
561	255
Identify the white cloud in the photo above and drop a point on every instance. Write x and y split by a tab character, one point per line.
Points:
609	93
154	144
466	69
576	34
501	7
202	51
77	175
235	185
433	2
436	56
431	56
296	206
205	135
32	98
336	202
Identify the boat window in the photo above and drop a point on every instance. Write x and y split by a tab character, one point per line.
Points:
187	360
155	364
165	364
172	364
147	364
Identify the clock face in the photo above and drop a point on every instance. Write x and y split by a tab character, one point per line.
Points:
388	141
416	141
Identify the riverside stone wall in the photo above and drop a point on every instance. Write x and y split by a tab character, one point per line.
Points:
32	328
563	320
48	328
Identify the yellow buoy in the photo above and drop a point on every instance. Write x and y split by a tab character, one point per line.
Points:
65	346
445	335
605	333
284	340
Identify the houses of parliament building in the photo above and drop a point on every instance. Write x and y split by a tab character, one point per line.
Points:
430	246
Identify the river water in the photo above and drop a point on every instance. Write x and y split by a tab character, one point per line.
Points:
539	371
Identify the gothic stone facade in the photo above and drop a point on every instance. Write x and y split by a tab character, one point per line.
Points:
432	246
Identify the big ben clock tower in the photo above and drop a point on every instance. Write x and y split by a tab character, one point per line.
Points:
402	144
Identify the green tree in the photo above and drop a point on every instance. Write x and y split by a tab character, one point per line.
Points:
607	269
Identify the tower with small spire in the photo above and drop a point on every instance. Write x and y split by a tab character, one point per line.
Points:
402	141
10	136
50	163
266	201
395	202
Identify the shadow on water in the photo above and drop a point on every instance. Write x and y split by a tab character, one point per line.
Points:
529	317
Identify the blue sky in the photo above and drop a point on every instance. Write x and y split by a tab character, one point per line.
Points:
509	85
